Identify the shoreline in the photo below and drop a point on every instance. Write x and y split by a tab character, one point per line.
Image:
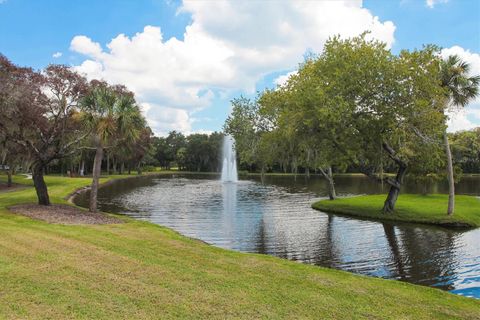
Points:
269	286
410	208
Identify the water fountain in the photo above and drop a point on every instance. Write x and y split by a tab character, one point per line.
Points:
229	167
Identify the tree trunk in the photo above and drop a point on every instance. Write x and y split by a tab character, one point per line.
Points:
40	186
451	181
9	177
396	183
97	169
331	185
122	168
332	195
139	168
108	164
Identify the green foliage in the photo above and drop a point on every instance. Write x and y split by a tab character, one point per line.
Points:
466	150
196	152
459	87
112	114
343	106
247	125
149	168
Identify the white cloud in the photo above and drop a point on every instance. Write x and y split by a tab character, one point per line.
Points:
84	45
166	119
281	80
57	54
226	47
432	3
461	120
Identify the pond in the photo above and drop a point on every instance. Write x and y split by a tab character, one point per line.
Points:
275	218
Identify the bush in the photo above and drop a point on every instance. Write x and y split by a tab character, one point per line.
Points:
149	169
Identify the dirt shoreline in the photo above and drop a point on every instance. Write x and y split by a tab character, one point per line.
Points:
63	214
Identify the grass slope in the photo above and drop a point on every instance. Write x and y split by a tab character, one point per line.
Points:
138	270
429	209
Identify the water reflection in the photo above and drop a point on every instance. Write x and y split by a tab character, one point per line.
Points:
276	218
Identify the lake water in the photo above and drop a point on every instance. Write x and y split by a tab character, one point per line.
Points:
275	217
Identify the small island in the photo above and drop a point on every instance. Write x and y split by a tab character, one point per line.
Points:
417	208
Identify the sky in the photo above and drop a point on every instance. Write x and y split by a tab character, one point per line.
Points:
186	60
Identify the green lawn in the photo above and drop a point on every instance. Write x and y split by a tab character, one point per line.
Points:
138	270
430	209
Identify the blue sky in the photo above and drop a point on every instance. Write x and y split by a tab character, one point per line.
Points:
187	60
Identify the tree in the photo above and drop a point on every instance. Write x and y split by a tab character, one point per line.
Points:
357	103
460	89
466	149
113	118
141	146
299	112
385	106
247	125
175	140
11	156
161	150
39	114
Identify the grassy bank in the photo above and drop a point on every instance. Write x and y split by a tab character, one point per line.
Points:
429	209
137	270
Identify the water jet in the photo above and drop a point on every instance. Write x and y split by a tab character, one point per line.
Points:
229	158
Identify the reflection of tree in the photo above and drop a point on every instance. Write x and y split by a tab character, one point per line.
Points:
394	248
326	255
116	190
260	245
431	255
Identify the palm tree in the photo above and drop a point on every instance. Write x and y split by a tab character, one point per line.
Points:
114	118
460	89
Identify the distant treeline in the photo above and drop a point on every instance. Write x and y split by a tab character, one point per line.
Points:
194	152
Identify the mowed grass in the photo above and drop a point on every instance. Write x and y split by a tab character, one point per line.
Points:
138	270
430	209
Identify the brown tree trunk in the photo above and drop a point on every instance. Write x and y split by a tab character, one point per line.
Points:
108	164
97	169
328	175
40	186
9	177
332	194
139	169
451	181
395	184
